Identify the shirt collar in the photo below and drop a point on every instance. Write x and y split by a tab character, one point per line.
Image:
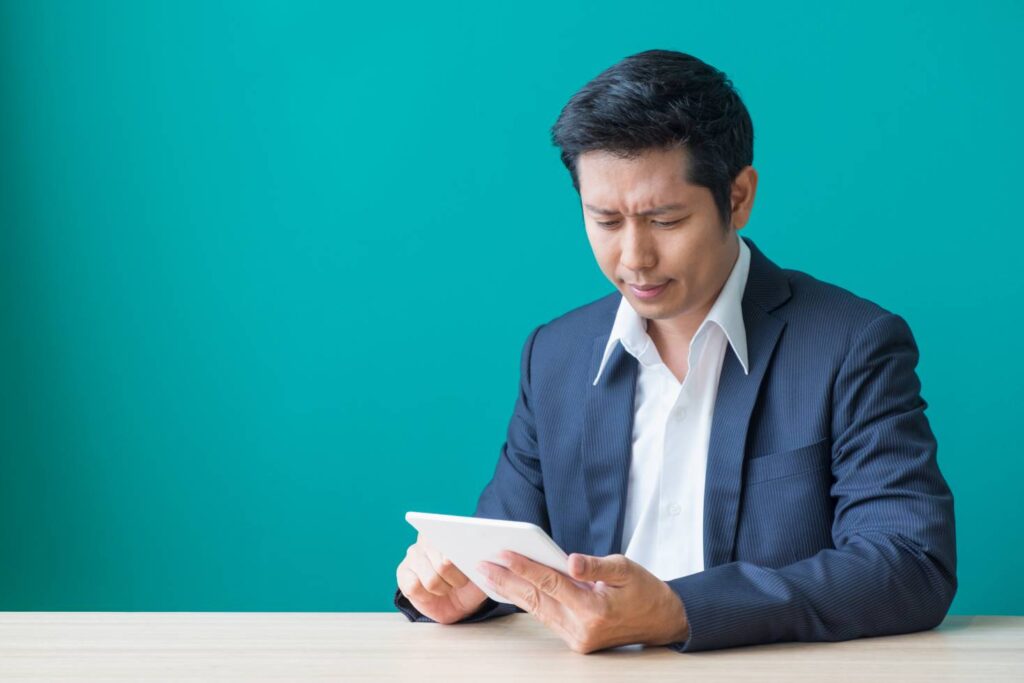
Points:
630	329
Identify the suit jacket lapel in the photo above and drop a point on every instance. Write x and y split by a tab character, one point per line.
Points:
737	394
767	288
607	444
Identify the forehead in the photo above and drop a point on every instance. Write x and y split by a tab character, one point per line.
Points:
651	178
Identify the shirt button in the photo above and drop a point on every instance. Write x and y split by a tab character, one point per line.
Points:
674	509
679	414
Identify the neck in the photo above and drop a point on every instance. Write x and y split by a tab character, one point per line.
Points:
678	331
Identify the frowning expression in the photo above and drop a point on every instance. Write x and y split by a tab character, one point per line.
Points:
657	237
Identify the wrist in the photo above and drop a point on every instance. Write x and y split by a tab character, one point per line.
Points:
682	634
677	626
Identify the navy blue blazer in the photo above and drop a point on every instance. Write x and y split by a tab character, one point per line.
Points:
825	514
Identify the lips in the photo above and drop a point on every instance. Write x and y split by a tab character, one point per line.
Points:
647	291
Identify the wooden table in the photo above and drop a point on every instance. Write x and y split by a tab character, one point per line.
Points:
181	646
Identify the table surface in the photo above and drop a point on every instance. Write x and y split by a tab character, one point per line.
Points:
260	646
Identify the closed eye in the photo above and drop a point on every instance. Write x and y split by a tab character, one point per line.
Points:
660	224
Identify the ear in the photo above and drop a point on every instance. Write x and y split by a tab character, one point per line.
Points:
744	187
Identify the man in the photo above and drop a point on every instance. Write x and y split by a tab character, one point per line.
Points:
731	452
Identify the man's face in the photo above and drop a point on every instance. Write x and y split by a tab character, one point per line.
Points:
652	230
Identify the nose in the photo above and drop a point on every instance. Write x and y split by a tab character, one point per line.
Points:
637	251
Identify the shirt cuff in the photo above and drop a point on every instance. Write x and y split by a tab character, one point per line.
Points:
488	609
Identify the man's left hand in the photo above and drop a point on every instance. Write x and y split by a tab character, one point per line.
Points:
604	602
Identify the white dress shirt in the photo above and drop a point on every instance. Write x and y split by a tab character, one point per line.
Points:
663	529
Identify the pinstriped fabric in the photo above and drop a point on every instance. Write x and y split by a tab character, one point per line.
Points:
606	446
826	516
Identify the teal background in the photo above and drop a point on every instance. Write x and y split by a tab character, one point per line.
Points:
267	268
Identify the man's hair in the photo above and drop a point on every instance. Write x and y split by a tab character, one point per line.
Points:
659	99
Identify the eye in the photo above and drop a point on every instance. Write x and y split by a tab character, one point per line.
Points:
607	224
666	224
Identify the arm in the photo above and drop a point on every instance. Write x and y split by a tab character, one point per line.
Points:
515	492
893	568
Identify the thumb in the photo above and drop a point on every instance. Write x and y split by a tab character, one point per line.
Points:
612	569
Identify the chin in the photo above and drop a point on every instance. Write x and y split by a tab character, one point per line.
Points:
657	310
659	313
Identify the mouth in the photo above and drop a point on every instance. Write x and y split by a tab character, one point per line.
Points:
645	292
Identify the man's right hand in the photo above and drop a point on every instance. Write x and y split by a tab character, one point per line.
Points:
435	586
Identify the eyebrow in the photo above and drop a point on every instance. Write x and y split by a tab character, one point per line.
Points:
658	210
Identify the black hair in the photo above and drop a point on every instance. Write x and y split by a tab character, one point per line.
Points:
659	99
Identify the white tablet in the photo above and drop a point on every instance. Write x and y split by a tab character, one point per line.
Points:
469	540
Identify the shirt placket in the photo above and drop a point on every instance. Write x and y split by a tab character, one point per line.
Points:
675	453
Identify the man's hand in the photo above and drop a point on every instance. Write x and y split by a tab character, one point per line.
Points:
435	586
604	602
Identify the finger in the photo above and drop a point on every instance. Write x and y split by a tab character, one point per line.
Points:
446	568
424	570
411	587
521	592
547	580
613	569
527	597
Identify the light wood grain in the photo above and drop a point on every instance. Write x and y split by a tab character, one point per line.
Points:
186	646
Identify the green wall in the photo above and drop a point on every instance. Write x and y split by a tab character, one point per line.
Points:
267	268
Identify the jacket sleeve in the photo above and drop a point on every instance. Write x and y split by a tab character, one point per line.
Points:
515	492
893	565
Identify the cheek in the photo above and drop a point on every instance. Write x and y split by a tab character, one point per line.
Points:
609	266
696	275
680	265
691	275
606	254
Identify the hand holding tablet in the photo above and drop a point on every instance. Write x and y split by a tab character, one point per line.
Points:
469	540
434	585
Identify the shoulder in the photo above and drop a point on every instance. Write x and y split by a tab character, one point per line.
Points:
582	323
805	302
834	320
827	302
558	354
568	340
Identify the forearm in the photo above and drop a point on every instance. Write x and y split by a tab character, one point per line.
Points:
877	584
